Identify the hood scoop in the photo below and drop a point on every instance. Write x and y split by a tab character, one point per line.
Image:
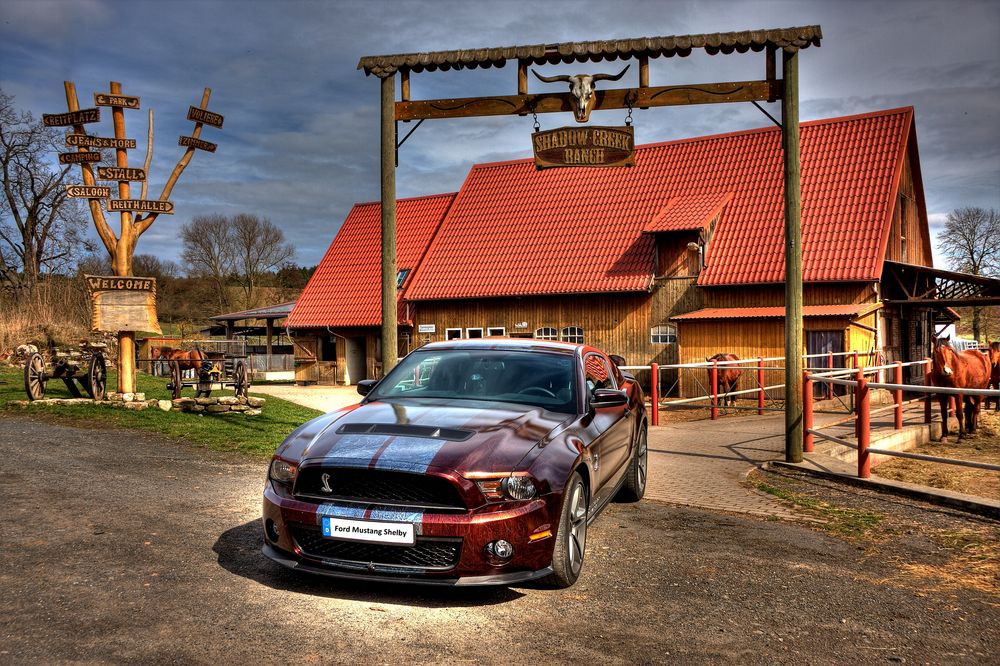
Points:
405	430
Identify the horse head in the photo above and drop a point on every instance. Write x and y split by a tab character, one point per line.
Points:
944	357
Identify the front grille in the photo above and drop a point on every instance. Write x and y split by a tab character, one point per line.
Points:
428	552
375	486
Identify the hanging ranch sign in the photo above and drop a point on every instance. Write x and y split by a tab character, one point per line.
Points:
204	117
123	303
71	118
88	191
87	141
79	158
141	205
107	99
192	142
120	173
584	146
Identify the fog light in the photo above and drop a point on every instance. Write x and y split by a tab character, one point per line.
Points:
271	530
499	551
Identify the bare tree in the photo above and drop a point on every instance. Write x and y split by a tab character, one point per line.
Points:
208	251
260	249
40	228
970	242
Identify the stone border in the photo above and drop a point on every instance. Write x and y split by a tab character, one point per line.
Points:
249	406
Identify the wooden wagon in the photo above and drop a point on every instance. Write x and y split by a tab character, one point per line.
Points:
84	365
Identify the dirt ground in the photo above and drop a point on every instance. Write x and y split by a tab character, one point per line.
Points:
984	446
123	547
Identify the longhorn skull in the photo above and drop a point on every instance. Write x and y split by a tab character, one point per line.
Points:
581	87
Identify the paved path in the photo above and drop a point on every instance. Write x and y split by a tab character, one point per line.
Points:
323	398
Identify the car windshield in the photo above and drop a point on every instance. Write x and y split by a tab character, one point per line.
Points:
525	377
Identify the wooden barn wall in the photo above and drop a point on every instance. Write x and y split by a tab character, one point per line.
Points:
673	258
835	293
906	223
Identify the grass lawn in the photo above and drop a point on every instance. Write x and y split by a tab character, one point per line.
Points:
254	435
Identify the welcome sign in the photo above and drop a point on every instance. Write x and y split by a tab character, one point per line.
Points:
584	146
123	303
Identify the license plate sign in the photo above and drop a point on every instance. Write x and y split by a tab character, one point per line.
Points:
370	531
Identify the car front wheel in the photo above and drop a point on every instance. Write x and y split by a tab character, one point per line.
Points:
635	479
571	540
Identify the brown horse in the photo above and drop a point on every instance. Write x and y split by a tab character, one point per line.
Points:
186	359
965	369
728	376
994	354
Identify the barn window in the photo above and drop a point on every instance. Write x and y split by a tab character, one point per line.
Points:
452	334
496	331
664	334
572	334
472	333
401	277
546	333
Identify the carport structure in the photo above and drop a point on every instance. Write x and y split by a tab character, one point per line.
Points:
788	40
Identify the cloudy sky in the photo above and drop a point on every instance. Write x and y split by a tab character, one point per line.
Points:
301	138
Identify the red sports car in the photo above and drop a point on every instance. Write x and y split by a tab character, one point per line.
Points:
473	462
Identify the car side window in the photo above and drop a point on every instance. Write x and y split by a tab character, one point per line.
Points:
598	373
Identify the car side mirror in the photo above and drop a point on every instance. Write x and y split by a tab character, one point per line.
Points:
617	360
366	385
608	398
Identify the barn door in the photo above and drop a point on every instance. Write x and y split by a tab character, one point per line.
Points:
824	342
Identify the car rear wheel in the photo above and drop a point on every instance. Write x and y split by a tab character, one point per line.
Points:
571	540
635	479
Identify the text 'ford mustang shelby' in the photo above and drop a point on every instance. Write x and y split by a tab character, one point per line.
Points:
473	462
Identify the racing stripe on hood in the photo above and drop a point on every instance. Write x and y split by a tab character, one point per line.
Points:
416	452
358	448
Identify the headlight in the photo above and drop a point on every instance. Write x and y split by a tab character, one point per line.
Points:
282	471
508	488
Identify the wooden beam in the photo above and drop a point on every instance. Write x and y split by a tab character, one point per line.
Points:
404	85
644	74
504	105
793	256
389	351
769	69
522	77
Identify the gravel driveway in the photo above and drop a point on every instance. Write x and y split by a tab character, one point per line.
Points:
119	546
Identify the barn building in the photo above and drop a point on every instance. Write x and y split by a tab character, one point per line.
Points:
672	260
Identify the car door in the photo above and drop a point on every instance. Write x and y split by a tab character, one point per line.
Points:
611	426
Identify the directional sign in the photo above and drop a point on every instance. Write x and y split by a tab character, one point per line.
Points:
79	158
98	141
108	99
72	118
120	173
204	117
584	146
192	142
141	205
88	191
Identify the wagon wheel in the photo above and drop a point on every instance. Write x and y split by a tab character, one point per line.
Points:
176	379
241	380
35	377
97	376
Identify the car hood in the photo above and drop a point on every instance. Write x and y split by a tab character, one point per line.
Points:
416	435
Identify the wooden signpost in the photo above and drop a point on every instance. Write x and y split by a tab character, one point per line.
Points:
584	146
122	303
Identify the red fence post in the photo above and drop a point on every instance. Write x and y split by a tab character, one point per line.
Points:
807	413
714	372
760	383
857	363
654	392
829	385
927	398
863	427
897	378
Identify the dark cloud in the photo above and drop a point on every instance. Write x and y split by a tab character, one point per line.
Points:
301	139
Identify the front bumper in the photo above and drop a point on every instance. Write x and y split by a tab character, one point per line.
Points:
528	525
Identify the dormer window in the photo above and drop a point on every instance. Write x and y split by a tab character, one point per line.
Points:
401	277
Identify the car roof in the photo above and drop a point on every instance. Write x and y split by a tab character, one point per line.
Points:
512	344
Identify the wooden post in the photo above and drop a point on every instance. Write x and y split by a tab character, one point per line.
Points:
927	396
122	261
654	392
522	77
389	351
714	381
644	74
897	378
863	427
269	324
230	329
829	367
793	256
404	85
807	412
760	383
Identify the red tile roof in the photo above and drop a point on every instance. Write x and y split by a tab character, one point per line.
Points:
346	289
513	230
690	213
852	311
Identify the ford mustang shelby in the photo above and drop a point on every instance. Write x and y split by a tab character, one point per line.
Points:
473	462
